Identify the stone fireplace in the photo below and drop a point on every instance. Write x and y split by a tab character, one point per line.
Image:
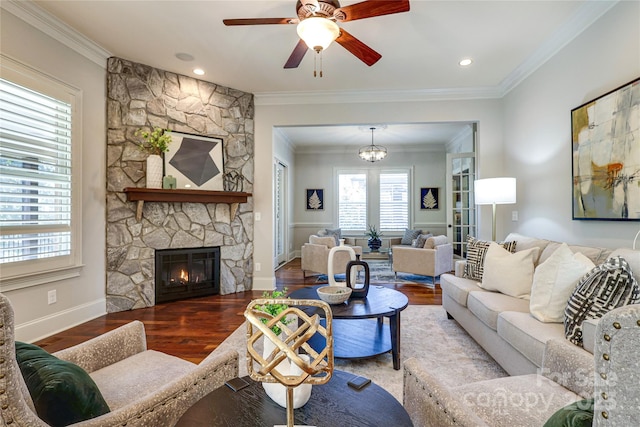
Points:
141	96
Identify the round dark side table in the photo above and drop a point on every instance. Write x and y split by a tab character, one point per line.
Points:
331	404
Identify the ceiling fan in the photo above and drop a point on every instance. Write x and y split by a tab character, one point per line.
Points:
317	26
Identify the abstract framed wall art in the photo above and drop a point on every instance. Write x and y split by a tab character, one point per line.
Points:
195	161
315	199
429	198
605	138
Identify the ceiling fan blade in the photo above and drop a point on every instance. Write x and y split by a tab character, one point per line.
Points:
359	49
297	55
260	21
371	8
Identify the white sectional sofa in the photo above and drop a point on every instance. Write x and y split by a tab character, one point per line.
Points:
502	324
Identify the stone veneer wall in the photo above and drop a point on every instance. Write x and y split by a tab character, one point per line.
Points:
142	96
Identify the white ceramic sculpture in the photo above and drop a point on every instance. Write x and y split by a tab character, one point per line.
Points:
331	273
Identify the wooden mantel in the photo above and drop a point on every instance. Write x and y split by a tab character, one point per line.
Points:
141	195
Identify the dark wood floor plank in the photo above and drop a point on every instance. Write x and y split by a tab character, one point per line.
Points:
192	328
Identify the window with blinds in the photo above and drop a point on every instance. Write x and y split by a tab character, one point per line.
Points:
352	201
394	201
35	175
40	171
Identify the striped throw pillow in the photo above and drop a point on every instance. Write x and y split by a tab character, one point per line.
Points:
476	253
608	286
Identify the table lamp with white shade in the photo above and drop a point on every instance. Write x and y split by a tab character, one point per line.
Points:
495	191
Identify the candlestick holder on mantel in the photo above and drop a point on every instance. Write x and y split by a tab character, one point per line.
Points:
141	195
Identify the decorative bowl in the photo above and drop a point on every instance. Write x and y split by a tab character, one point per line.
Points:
334	294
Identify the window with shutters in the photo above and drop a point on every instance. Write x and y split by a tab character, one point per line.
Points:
394	201
39	157
373	197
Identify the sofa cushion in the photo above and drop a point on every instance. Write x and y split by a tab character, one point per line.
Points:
607	286
62	392
522	400
476	252
487	306
458	288
509	273
526	242
327	241
409	235
136	376
526	334
597	255
554	281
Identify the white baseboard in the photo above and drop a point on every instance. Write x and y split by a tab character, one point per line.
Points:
44	327
264	283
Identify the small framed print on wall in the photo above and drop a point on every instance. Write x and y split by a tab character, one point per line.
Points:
315	199
195	161
429	198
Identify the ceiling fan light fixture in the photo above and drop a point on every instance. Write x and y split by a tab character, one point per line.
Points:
372	153
318	33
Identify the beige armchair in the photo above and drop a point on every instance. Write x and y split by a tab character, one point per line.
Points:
142	387
315	255
433	260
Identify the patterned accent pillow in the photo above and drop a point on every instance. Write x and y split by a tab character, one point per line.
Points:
409	236
336	234
608	286
476	252
420	240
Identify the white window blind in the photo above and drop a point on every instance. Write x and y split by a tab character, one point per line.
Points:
352	201
394	201
35	175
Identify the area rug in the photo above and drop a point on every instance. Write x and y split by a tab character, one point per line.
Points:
440	344
380	272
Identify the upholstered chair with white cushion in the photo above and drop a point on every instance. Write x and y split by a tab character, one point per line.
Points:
141	387
315	255
434	259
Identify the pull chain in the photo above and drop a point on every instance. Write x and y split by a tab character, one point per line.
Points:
315	63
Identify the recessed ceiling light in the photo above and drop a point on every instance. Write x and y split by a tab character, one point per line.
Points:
198	71
465	62
184	56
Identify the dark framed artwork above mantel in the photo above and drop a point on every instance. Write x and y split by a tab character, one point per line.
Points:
605	138
195	161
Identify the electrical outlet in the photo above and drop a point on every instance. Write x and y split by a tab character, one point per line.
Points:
52	297
258	266
514	215
258	216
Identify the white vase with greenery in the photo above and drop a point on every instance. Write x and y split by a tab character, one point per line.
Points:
155	143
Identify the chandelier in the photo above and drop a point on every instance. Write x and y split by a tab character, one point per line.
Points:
372	153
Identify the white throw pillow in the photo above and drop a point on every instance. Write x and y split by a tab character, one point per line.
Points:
509	273
554	281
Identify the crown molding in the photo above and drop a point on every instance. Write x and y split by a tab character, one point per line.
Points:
588	13
353	97
39	18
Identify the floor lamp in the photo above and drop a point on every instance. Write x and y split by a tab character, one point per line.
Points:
495	191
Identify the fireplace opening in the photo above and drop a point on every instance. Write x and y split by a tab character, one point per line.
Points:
186	273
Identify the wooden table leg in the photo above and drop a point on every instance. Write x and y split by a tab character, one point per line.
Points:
394	329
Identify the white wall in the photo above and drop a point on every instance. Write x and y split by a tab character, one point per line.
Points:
317	170
486	112
537	128
82	298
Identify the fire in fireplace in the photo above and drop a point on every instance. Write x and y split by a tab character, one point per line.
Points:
186	273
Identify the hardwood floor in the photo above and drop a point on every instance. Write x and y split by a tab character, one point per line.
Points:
192	328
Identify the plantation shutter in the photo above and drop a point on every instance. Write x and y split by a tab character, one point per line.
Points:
394	201
352	201
35	175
